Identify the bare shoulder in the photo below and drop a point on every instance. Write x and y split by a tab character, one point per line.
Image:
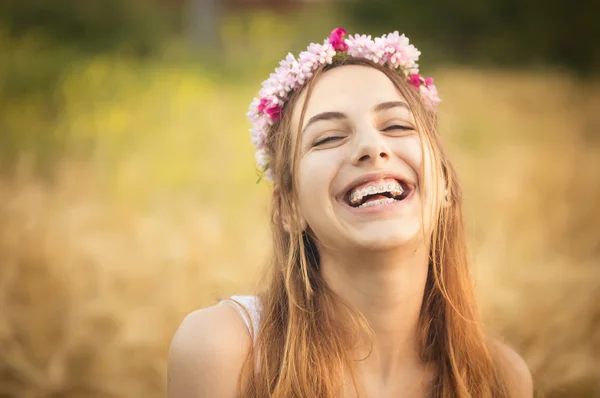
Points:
516	370
207	353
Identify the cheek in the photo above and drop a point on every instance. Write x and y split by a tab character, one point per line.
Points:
409	150
419	157
315	173
316	169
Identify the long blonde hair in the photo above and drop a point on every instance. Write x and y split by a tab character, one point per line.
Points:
301	348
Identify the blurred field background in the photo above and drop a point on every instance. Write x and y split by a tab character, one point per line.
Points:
127	182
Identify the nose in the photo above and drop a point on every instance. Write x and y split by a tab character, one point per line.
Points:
370	147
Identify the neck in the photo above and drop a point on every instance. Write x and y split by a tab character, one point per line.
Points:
387	288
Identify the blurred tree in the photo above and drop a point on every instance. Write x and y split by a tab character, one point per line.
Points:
277	5
506	32
203	23
91	25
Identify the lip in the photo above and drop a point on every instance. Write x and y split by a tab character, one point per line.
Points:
371	177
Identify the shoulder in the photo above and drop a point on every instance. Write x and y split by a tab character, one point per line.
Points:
207	353
515	369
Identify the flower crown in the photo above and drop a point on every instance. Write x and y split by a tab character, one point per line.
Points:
391	50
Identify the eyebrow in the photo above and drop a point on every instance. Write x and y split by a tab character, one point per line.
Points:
384	106
325	116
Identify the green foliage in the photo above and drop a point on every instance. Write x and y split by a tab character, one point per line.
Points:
505	32
91	25
61	98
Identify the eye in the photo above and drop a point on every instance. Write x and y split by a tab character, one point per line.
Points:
399	127
327	139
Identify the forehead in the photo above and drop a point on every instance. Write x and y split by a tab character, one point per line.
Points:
351	89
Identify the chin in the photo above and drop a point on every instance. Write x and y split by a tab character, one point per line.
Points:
386	239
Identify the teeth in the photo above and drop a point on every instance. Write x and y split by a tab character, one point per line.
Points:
359	194
377	202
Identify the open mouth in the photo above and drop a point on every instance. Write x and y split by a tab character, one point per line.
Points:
372	193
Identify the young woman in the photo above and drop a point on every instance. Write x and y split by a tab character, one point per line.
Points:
370	292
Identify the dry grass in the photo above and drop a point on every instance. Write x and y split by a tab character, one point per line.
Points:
99	264
532	182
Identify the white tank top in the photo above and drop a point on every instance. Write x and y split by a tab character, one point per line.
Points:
249	308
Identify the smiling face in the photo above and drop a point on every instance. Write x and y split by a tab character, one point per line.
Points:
359	176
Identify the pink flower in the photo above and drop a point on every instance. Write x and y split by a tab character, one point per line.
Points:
337	34
336	39
415	80
274	112
262	105
429	81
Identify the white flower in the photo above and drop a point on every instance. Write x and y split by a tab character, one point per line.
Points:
261	159
269	174
430	96
258	138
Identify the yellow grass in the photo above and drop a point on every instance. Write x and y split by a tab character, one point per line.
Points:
99	264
